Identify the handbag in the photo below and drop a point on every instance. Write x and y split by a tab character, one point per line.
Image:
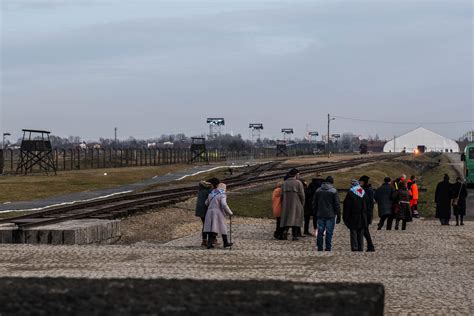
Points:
455	201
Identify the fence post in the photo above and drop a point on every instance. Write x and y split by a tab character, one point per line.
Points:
2	159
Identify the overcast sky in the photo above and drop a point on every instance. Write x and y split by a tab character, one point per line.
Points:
82	67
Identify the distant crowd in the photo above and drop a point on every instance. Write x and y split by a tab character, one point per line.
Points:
295	204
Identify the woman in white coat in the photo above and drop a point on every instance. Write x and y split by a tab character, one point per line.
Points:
215	217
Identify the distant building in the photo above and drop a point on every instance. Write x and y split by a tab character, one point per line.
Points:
421	137
468	137
376	146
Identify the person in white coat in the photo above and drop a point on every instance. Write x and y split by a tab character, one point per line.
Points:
215	217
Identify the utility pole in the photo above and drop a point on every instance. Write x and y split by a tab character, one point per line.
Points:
115	131
329	134
394	144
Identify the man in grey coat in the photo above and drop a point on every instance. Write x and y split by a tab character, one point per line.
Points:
292	206
327	207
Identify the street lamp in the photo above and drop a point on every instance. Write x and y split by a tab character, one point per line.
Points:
3	141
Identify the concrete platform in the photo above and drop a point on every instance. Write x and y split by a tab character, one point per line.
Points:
75	232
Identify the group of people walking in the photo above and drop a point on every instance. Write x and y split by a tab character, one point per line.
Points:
211	207
451	196
295	202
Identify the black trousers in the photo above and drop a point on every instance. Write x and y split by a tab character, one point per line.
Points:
457	219
279	230
357	239
389	219
307	219
204	235
404	224
444	221
295	230
368	239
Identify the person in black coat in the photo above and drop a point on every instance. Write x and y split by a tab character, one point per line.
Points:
369	199
383	197
443	197
355	215
459	193
308	209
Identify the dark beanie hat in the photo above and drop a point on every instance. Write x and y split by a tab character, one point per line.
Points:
365	179
387	180
330	179
293	172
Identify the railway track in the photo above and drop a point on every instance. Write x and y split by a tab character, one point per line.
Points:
128	204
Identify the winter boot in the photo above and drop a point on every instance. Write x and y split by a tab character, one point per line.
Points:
215	242
204	243
227	244
210	239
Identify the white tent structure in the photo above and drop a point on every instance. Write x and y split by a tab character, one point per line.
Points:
421	136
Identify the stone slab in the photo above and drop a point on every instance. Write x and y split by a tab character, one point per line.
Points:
51	296
75	232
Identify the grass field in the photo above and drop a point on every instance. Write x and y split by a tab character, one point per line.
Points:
21	188
256	202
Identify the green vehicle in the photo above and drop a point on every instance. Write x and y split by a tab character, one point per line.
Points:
468	158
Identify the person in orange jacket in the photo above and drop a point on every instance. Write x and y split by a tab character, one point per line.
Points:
276	205
414	195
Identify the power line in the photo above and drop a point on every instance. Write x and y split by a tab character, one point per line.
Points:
403	123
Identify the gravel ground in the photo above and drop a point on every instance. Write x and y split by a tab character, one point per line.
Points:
427	269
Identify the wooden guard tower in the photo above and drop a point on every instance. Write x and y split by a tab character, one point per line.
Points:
198	149
35	150
282	150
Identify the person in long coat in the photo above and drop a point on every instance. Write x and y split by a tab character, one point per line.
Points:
308	205
459	192
215	222
204	188
369	199
383	197
402	198
354	215
292	206
443	197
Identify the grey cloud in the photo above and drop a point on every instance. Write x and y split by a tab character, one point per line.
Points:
284	67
